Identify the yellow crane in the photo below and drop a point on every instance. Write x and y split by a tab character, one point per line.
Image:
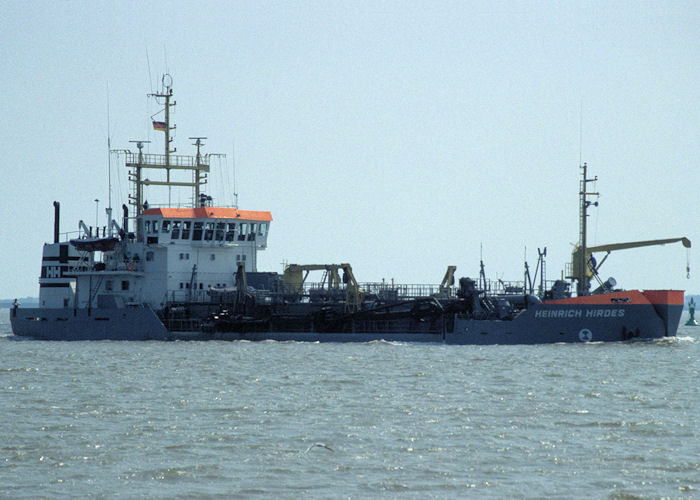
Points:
447	281
295	275
592	266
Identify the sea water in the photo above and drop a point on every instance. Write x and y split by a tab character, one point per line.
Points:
370	420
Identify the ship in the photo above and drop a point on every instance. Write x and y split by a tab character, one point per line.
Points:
174	272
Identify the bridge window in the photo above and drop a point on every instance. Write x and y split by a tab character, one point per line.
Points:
209	231
125	285
186	230
230	234
175	234
263	230
220	228
155	226
147	226
197	232
166	226
244	231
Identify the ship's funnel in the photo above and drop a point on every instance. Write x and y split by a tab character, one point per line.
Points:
56	214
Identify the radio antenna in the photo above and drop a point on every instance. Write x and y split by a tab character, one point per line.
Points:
109	157
150	78
580	134
109	171
233	166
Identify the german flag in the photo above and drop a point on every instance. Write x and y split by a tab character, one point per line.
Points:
159	125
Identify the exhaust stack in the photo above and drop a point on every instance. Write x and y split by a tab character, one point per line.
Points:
56	214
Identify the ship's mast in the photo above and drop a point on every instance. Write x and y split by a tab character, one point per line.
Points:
167	94
136	177
198	163
583	286
168	162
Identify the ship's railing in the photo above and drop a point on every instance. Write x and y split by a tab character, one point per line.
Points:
69	235
100	232
158	160
382	290
406	291
73	235
183	204
183	324
187	295
569	269
500	287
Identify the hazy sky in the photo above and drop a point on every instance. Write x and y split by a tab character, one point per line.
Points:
397	136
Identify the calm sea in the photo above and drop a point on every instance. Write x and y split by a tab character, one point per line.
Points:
374	420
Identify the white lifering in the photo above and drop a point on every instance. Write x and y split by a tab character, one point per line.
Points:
585	335
131	266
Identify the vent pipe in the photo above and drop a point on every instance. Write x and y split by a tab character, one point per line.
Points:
125	223
56	213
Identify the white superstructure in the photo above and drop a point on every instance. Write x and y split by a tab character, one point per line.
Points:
174	255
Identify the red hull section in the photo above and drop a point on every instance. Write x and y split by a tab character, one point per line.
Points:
667	304
632	297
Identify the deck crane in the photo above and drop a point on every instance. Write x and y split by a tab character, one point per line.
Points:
295	276
593	266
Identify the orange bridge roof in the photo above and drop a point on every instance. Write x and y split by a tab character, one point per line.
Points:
209	212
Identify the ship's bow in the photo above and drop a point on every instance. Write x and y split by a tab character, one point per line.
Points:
669	306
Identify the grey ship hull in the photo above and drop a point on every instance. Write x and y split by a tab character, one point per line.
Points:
138	323
567	320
